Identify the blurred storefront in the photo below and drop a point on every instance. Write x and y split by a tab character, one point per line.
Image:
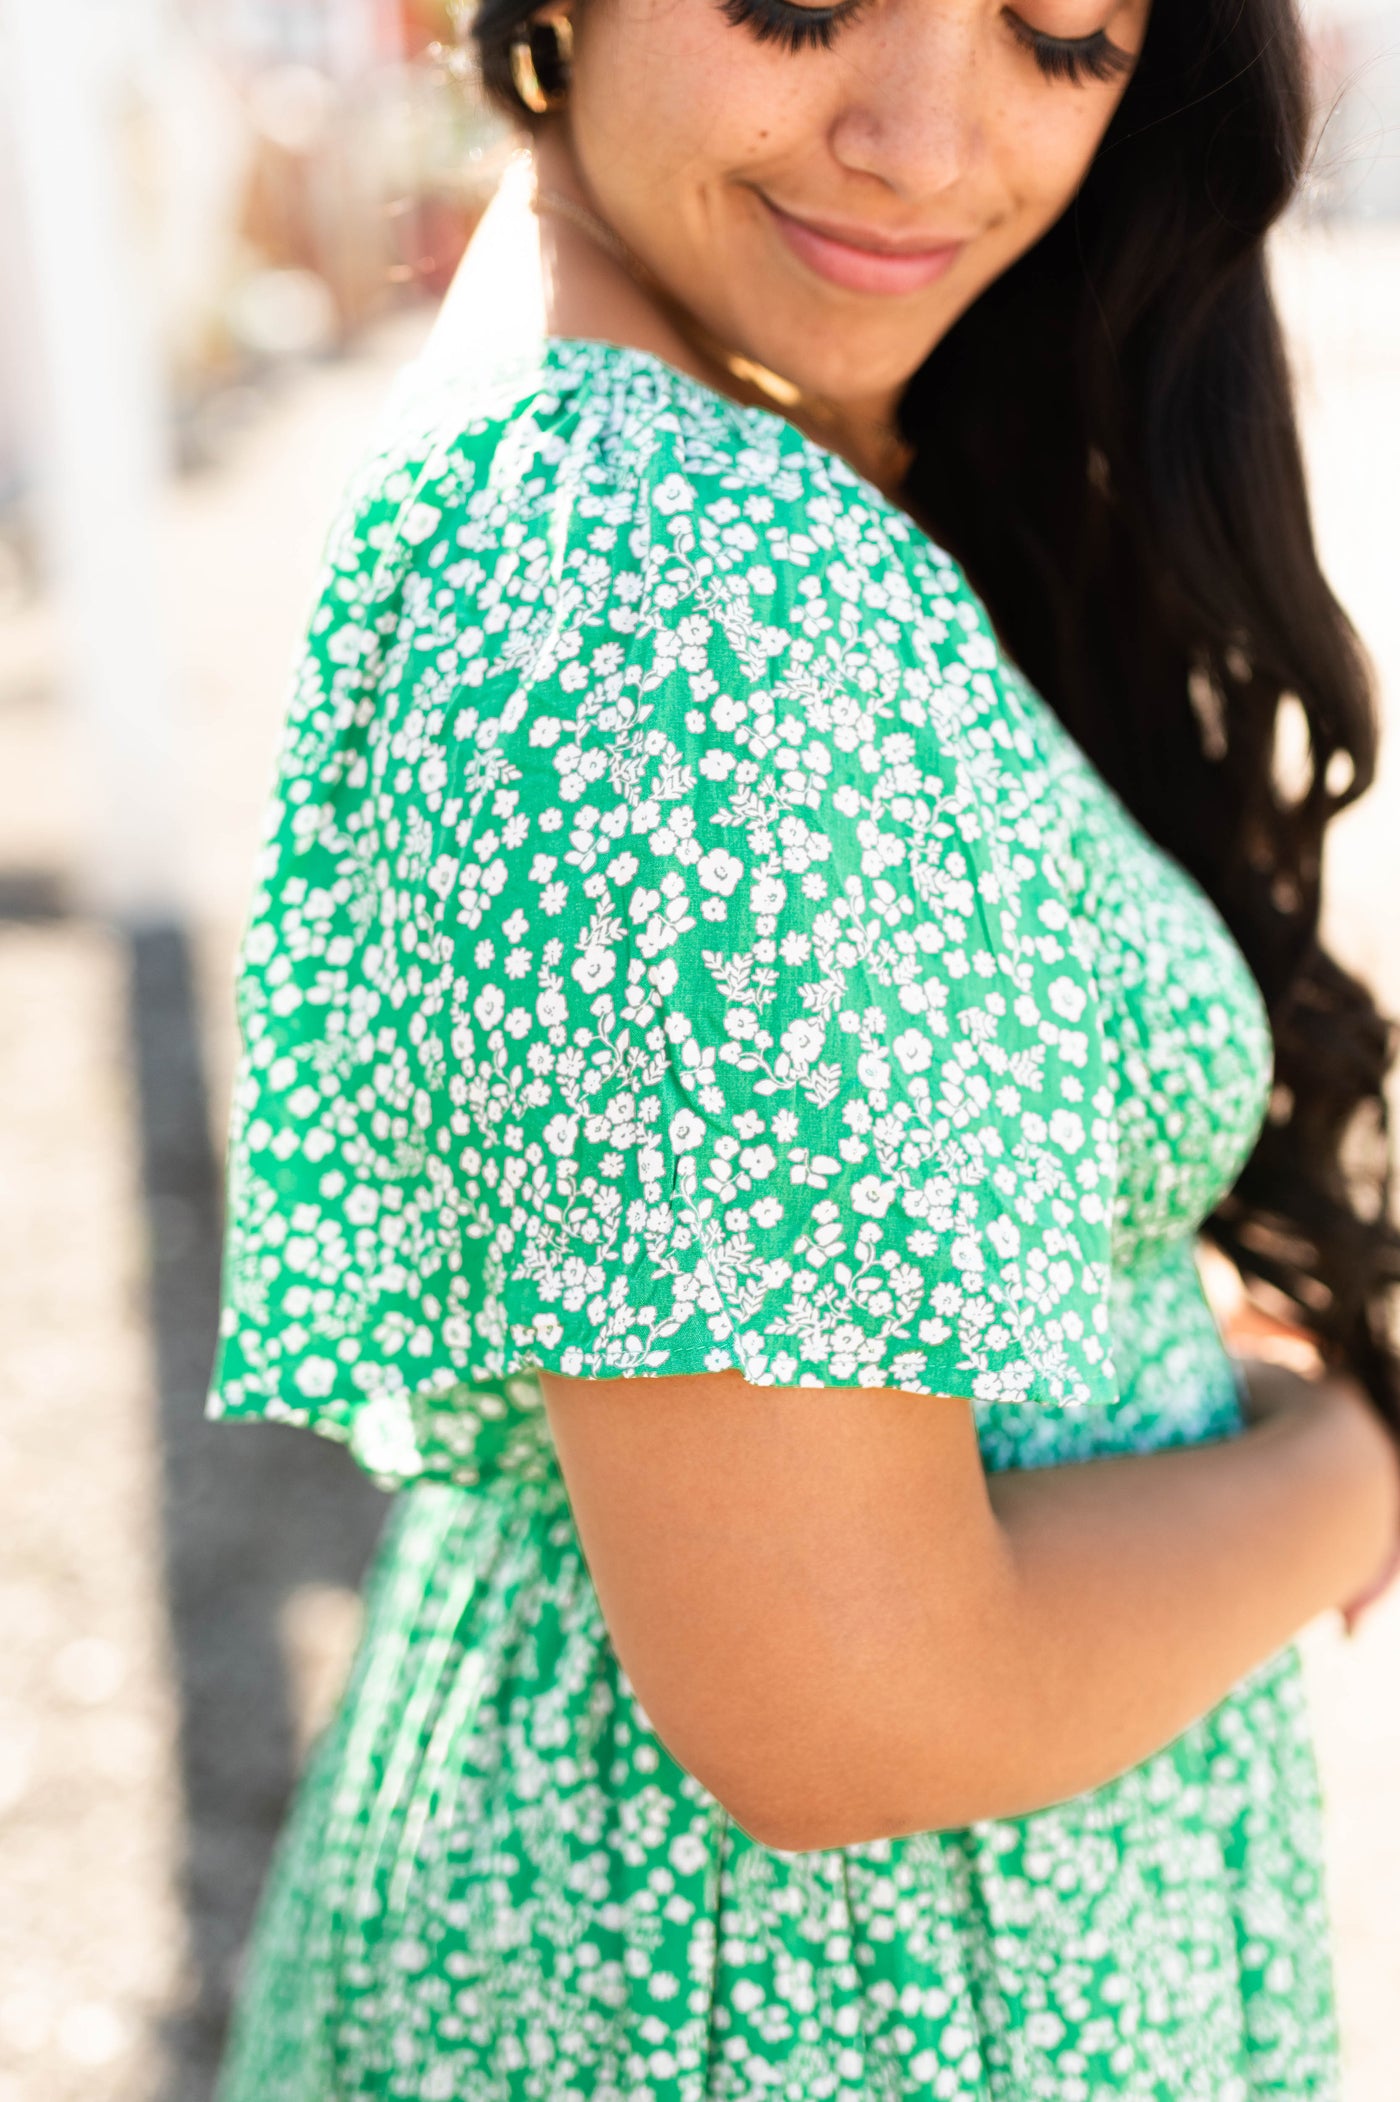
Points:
367	162
196	197
291	169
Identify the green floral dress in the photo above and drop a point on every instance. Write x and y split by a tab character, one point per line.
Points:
682	939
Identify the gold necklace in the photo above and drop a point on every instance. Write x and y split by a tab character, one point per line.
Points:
894	449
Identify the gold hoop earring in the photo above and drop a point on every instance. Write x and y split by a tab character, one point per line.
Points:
526	80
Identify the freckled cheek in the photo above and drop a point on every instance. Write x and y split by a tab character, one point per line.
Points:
1044	157
672	97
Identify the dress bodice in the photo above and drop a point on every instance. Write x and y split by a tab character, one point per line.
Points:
685	940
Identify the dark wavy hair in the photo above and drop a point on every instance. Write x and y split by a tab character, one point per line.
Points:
1107	442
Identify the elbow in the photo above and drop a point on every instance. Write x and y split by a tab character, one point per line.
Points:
781	1821
772	1801
791	1810
795	1834
787	1825
771	1816
853	1747
854	1772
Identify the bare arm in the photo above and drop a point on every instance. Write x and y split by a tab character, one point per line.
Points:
1151	1582
847	1631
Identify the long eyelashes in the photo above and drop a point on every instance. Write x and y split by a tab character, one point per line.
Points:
802	28
1070	58
795	28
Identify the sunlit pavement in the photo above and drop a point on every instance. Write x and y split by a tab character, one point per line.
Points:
126	1722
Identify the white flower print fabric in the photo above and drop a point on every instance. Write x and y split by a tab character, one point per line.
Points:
683	940
666	960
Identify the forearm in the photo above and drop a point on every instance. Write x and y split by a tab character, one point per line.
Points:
1131	1593
1146	1585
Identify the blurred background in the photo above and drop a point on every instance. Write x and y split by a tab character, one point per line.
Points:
224	225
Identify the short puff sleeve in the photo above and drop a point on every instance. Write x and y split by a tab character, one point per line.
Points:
664	963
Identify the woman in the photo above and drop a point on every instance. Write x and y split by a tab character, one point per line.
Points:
775	934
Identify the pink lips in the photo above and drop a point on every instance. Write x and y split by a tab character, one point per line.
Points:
864	263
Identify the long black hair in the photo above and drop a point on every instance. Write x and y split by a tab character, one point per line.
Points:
1107	441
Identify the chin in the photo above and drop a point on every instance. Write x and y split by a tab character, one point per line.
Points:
829	348
820	364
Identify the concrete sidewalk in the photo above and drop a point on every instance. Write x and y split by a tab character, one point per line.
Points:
179	1599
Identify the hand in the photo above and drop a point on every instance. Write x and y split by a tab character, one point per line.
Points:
1272	1388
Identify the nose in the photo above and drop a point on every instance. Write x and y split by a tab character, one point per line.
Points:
910	113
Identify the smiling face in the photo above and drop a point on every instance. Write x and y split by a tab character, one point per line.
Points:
828	189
